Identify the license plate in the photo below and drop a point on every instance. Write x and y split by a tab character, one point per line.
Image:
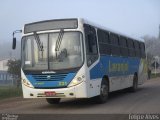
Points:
49	94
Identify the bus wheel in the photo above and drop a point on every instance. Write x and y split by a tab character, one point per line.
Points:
135	84
104	91
53	100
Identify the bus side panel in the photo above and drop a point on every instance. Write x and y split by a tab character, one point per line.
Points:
142	73
120	71
93	87
81	89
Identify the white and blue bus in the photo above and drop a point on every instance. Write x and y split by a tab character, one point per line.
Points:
73	58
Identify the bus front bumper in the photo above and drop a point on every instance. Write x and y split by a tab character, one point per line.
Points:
78	91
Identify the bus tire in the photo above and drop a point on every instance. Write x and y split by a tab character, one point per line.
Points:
53	100
135	84
104	92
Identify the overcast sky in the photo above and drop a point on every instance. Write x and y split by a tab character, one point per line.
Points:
131	17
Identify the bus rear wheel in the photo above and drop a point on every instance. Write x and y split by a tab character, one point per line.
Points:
104	92
53	100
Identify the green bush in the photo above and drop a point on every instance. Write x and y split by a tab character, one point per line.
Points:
9	91
155	75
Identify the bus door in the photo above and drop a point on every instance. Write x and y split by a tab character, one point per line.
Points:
91	55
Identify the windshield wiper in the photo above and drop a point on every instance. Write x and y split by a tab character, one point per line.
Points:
38	41
58	41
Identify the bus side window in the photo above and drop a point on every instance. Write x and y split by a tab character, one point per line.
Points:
91	44
131	47
115	49
92	47
123	46
104	42
142	46
137	49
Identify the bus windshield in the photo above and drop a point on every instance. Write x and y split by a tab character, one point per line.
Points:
69	54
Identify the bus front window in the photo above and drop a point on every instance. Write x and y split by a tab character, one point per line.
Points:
32	57
67	56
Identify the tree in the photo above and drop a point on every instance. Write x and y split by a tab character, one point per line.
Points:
152	47
14	68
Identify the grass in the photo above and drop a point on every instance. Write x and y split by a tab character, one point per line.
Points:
9	91
155	75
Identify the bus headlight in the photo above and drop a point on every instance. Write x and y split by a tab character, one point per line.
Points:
27	83
77	80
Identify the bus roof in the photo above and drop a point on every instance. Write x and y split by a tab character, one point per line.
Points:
109	29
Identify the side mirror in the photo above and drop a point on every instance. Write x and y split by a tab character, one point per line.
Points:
14	43
14	39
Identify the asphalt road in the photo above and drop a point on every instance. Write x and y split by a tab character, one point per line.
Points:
145	100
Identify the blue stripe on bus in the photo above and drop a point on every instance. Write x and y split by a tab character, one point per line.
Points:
114	66
41	81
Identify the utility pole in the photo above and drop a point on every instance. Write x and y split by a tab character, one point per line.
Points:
154	65
159	33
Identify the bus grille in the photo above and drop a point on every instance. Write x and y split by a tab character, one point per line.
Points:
49	77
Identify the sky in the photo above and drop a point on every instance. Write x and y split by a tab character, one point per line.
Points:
131	17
